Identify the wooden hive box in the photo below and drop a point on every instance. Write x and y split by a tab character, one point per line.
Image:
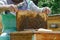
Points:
21	36
31	20
54	22
36	35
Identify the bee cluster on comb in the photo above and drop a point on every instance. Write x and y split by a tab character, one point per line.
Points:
31	20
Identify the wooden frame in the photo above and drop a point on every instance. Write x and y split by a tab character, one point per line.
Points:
31	20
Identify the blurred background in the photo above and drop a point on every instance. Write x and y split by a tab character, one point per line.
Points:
53	4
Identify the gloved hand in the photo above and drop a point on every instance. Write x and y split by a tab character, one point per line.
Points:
20	4
46	10
13	8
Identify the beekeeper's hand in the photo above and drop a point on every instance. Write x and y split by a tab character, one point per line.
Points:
20	4
13	8
46	10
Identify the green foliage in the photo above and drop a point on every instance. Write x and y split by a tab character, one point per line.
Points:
53	4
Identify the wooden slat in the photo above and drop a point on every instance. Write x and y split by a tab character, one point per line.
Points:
0	23
36	35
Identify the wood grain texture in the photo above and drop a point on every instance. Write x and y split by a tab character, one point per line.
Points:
47	36
28	35
54	20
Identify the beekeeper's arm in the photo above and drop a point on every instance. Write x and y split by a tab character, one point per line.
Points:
4	7
33	7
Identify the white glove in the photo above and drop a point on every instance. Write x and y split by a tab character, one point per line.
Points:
46	10
3	34
20	4
13	9
42	29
